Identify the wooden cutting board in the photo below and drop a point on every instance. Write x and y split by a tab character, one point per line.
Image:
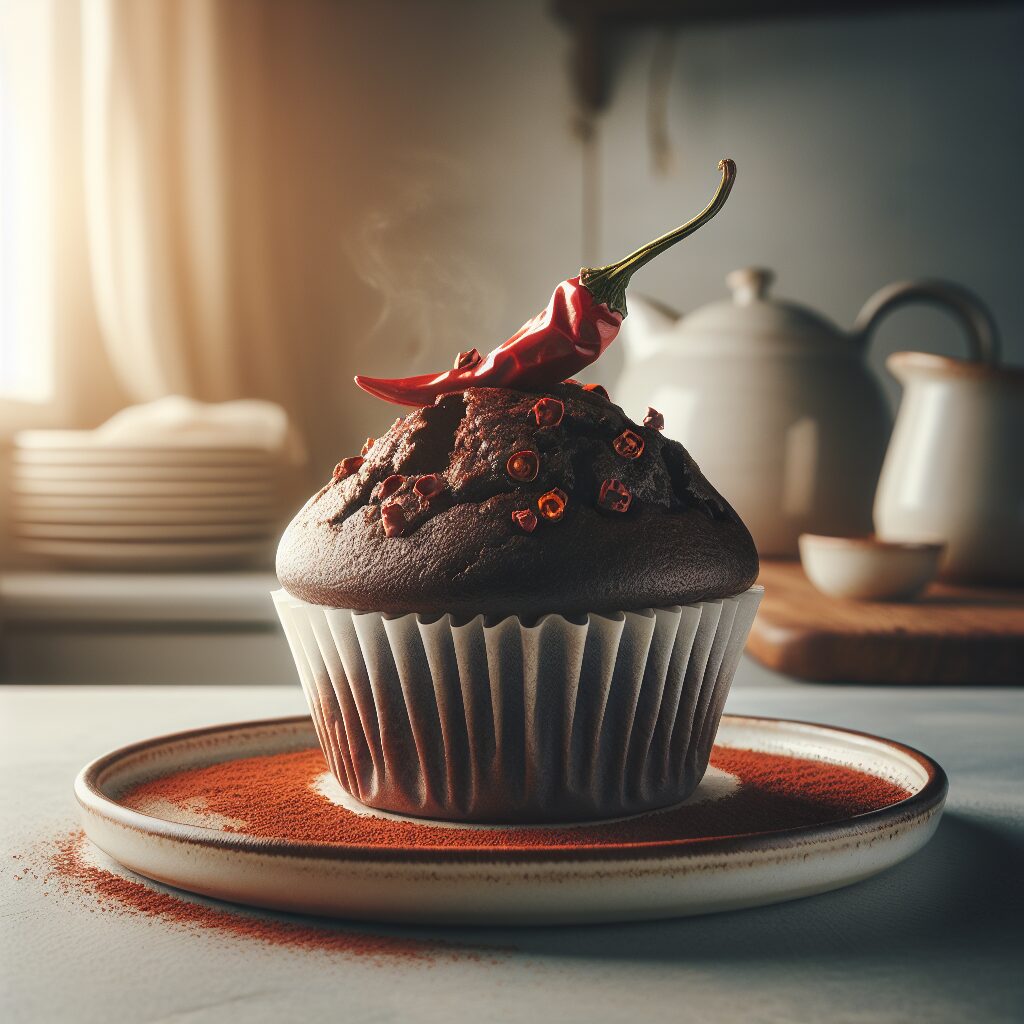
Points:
949	635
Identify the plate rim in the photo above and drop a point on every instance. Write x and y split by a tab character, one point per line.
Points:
130	548
918	806
76	440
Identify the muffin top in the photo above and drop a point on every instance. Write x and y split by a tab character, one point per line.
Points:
505	502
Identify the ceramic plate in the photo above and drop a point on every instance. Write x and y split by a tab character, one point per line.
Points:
145	532
87	441
261	490
64	513
141	555
142	456
146	504
150	471
539	884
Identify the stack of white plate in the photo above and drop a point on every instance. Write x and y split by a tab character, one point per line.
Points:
147	506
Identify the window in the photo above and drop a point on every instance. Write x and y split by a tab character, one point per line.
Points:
26	265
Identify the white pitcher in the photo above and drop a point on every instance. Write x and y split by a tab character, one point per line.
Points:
954	470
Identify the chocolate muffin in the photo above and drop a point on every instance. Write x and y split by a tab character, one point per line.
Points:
502	502
517	606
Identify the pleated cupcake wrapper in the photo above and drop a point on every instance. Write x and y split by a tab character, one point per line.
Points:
500	720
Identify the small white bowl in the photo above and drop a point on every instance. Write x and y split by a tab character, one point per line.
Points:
868	569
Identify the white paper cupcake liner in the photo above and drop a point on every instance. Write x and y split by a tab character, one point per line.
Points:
499	720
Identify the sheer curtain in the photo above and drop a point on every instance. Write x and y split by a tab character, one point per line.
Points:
258	199
179	249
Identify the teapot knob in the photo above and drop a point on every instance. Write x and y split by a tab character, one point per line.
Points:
749	285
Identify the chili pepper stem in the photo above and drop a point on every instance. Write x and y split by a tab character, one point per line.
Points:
608	284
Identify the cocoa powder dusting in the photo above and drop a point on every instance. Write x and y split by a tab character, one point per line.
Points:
65	868
274	797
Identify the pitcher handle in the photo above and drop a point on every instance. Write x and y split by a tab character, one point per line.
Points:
982	336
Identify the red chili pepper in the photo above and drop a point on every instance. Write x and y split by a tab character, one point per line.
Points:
579	323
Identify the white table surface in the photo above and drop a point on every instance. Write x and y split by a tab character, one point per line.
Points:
939	938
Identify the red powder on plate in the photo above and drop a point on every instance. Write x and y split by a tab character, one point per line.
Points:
66	868
275	797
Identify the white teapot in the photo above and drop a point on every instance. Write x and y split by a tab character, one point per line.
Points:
777	405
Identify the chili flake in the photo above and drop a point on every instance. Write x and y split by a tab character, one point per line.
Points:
388	486
548	412
347	467
523	466
429	487
615	495
629	444
525	519
597	389
551	505
654	419
367	445
393	518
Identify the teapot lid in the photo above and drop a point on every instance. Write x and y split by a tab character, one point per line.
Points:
752	314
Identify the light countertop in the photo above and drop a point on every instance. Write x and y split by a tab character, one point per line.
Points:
939	938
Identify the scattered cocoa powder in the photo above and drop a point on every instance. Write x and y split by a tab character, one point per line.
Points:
62	865
274	797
